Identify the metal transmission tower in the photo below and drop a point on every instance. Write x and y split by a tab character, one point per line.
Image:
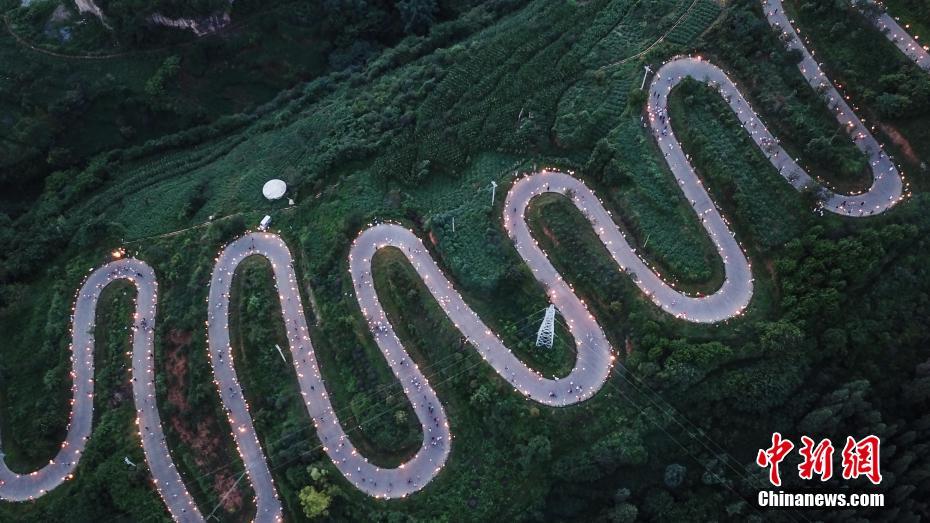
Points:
546	334
648	70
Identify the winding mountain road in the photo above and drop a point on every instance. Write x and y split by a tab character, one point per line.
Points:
903	40
887	187
595	356
24	487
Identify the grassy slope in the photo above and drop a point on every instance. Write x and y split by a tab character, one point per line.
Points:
103	483
269	385
287	147
474	93
43	93
232	192
856	56
918	23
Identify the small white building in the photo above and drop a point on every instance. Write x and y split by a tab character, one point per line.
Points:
274	189
266	221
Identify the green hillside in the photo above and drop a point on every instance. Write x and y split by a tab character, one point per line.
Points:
414	132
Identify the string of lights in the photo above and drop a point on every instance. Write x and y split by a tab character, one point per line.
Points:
595	356
373	393
899	36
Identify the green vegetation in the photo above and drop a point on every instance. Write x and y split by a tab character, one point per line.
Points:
640	191
195	424
135	83
406	112
884	85
729	161
314	502
128	99
748	48
103	483
914	13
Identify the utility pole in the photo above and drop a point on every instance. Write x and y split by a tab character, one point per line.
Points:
453	225
645	74
281	353
546	334
493	191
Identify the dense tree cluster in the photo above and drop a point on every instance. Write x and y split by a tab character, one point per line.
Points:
795	113
850	307
902	91
163	80
416	106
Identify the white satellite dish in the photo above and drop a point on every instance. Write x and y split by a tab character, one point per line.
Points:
274	189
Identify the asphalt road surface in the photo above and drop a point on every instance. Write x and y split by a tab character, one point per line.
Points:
887	187
902	40
887	184
728	301
23	487
595	356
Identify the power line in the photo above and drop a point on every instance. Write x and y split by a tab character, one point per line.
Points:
368	394
742	474
687	451
339	412
225	495
349	431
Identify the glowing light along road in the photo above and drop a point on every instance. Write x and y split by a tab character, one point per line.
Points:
591	370
887	183
17	487
594	354
906	43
